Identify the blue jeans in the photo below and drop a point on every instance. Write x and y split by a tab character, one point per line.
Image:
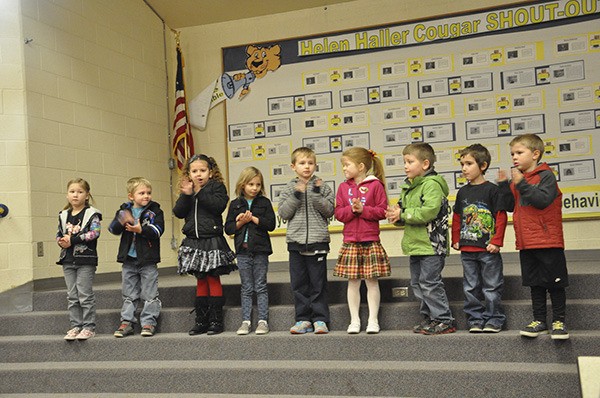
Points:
140	282
308	279
80	295
428	287
483	283
253	274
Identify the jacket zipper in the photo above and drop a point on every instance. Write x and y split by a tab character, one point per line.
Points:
196	217
306	211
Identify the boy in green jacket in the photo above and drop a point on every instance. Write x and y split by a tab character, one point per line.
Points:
423	210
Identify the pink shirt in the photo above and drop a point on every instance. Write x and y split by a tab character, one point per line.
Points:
362	227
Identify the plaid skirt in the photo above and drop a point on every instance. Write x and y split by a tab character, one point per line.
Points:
201	257
362	260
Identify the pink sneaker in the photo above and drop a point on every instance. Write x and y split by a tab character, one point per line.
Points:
85	334
72	334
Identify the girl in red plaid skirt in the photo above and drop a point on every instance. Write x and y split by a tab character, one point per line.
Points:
361	202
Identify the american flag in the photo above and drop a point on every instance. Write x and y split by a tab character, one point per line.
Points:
183	143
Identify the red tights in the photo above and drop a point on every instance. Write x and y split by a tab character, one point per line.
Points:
209	286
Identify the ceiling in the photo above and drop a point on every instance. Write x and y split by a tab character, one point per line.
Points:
183	13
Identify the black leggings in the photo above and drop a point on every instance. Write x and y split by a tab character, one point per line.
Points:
559	303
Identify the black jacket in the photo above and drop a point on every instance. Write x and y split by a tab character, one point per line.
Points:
147	244
203	211
258	235
84	243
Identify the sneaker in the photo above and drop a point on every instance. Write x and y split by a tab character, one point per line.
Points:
373	328
301	327
353	328
559	331
475	328
321	327
124	330
489	328
422	325
72	334
148	330
85	334
262	327
436	327
534	329
244	328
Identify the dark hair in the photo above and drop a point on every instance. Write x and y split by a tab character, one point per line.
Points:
480	154
210	161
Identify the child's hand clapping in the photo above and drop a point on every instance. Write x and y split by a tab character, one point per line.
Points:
516	174
65	241
393	214
357	206
244	218
187	186
502	175
133	227
300	186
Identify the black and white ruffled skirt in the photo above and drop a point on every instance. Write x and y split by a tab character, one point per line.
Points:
207	256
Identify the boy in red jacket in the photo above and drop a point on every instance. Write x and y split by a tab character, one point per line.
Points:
536	199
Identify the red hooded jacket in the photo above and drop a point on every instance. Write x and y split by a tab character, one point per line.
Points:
537	203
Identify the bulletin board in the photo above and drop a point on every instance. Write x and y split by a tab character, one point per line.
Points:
482	77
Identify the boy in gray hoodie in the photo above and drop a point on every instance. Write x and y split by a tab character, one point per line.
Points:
307	204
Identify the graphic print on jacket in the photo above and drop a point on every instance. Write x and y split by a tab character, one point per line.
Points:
438	229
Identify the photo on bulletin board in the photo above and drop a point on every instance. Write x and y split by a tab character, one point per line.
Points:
482	77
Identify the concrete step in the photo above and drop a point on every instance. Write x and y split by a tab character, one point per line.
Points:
583	286
581	315
389	345
272	377
154	395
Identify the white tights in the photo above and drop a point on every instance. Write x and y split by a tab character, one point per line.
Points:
373	299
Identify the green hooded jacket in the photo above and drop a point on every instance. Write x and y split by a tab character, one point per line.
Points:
425	213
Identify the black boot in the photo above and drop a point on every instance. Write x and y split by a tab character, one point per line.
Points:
216	315
202	314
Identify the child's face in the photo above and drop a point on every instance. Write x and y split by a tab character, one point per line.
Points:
415	167
470	169
77	196
141	196
351	169
200	173
252	188
524	158
304	167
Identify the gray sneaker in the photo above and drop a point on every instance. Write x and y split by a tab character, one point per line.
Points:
321	327
262	328
301	327
244	328
124	330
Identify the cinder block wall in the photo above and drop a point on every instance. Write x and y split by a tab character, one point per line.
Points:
85	97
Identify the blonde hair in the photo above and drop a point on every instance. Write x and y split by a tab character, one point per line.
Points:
212	166
422	151
303	151
367	157
86	187
531	142
245	177
134	183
